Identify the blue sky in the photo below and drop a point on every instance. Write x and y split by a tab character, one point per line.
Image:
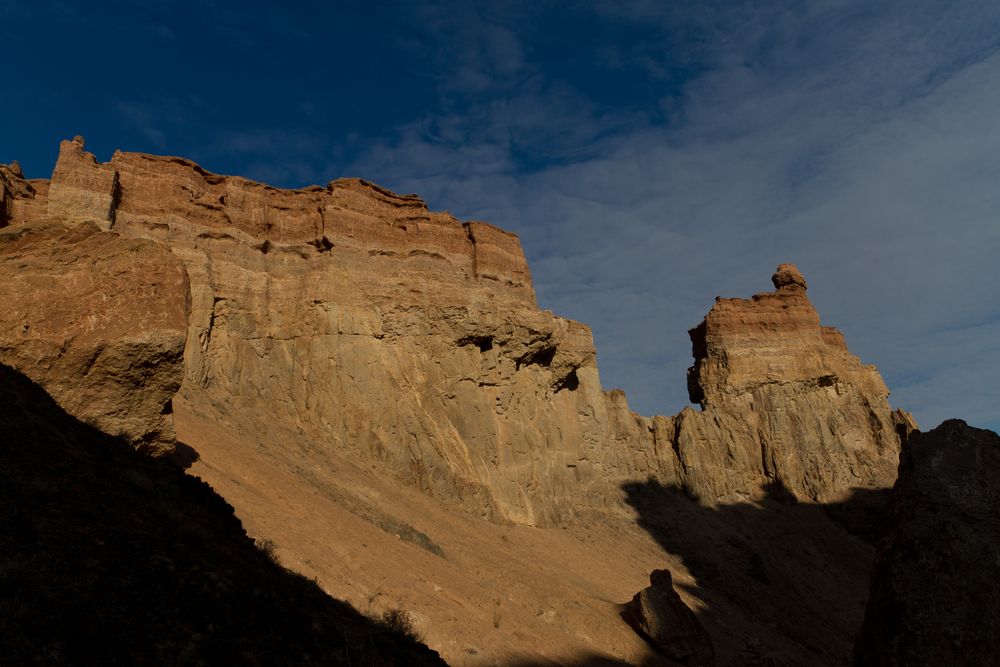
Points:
651	155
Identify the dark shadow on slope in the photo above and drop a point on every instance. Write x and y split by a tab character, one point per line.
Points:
790	578
110	557
863	515
784	584
596	660
183	456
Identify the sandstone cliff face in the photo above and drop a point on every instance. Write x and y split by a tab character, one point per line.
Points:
935	592
395	336
783	400
21	200
98	319
404	340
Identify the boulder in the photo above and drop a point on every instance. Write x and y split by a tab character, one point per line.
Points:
659	615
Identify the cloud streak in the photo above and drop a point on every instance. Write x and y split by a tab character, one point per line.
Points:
858	142
650	155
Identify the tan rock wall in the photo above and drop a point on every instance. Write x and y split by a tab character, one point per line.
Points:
399	337
410	343
82	189
784	402
21	200
99	321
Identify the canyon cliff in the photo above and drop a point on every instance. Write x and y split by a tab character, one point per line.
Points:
406	339
342	361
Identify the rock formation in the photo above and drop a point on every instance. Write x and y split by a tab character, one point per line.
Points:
97	318
21	200
405	339
935	592
783	400
659	614
351	363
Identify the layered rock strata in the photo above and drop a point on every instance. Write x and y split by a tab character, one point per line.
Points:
98	319
783	402
935	592
21	200
409	342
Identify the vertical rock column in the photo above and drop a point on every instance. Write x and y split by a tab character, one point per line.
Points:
785	405
83	189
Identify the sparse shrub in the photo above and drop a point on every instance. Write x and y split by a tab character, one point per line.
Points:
398	621
269	549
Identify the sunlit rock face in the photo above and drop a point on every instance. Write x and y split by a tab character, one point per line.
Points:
98	319
410	343
783	400
401	338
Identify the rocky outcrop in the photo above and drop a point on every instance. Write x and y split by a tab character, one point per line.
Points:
352	367
935	592
396	336
406	340
659	615
82	189
98	320
21	200
783	400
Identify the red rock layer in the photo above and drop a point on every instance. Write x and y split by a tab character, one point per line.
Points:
150	192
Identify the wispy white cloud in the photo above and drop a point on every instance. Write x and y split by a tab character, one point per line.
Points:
858	141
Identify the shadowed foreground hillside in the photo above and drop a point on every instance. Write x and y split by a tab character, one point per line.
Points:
110	557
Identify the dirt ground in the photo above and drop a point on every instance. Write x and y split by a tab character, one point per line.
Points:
764	579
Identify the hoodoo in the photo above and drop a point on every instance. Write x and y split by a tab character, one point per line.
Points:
791	403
